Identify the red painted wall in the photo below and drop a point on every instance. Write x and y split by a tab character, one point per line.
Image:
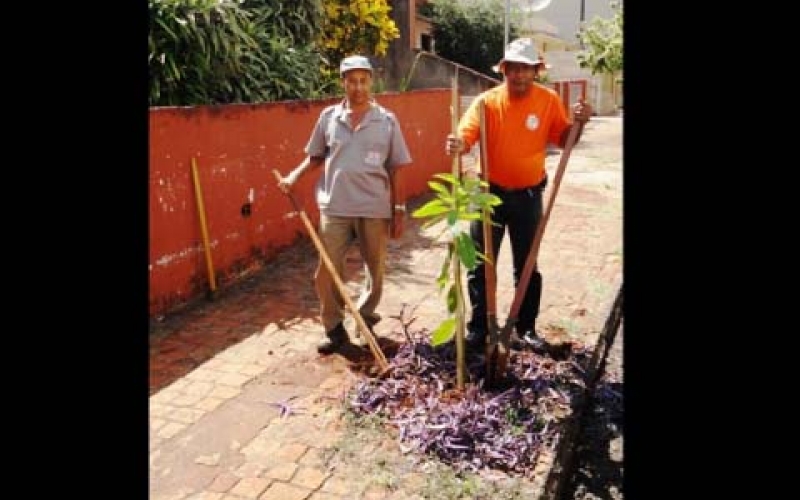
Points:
236	147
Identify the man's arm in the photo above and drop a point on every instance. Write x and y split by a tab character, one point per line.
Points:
398	200
398	185
308	163
461	140
562	140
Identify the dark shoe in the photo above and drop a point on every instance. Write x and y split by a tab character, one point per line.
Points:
537	344
475	339
533	342
517	342
370	322
337	337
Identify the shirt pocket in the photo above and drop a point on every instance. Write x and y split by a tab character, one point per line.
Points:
375	154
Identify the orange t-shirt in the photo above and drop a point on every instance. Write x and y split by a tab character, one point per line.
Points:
517	133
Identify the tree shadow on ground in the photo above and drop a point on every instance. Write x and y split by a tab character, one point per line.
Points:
598	474
280	292
361	360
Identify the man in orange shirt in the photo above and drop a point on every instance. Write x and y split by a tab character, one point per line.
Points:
522	118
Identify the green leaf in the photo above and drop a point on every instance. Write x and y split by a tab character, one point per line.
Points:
452	299
444	332
433	207
447	177
466	251
469	216
433	221
486	200
444	273
438	187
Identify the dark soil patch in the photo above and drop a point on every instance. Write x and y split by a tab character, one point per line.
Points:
503	428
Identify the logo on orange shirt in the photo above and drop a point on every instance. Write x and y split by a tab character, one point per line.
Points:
532	122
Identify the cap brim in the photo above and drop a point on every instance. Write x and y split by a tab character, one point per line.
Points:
354	68
498	68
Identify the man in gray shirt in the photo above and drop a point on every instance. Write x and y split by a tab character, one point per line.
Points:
360	193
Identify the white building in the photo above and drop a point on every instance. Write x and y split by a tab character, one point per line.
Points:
565	15
555	29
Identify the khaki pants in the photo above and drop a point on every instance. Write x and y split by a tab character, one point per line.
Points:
337	233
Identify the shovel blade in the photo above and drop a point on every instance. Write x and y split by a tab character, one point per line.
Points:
497	352
496	363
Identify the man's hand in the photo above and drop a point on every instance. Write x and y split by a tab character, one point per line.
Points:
286	183
581	111
454	144
397	223
471	172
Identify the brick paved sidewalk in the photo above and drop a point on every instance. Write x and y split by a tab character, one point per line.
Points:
220	370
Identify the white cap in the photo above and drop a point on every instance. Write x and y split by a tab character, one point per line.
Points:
521	50
354	62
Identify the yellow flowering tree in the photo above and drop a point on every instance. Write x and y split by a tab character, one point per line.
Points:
355	27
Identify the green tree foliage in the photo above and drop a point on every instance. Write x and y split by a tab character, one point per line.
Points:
470	32
288	37
355	27
233	51
463	201
602	42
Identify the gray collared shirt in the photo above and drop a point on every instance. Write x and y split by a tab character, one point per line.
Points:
355	181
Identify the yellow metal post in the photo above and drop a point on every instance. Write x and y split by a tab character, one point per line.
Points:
201	212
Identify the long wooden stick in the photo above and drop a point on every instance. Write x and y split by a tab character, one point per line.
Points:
495	350
362	325
498	350
461	356
489	269
201	211
530	261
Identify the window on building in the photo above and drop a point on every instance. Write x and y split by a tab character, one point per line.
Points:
426	42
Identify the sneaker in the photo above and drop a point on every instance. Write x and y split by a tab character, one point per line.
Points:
336	338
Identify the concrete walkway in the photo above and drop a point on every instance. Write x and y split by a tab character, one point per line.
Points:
242	406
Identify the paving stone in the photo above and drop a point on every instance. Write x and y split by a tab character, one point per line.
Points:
223	482
282	472
309	477
282	491
250	487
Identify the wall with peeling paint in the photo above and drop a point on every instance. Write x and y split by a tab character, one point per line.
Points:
236	147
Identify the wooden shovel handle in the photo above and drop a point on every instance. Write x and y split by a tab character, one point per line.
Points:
530	261
490	271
